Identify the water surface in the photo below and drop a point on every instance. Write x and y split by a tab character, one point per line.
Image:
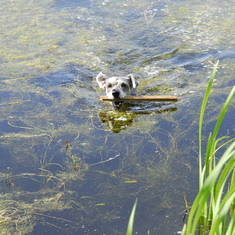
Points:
69	162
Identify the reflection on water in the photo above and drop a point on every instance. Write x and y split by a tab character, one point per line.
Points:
69	162
121	120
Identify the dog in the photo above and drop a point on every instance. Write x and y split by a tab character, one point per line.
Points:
117	87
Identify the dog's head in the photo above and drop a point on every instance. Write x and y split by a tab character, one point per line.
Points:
117	87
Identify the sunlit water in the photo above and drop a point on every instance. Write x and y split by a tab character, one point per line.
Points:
69	162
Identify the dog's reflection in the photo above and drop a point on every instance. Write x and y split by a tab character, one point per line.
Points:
117	121
121	120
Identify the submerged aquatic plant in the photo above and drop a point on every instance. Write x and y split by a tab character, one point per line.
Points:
212	204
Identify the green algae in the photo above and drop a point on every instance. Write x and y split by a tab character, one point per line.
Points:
32	40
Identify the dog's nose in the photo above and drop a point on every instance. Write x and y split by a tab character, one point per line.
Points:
115	93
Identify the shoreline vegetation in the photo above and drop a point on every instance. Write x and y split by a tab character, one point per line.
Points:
210	211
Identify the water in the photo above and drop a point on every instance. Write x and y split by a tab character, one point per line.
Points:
52	121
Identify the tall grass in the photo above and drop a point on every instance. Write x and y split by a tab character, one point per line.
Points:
210	210
209	214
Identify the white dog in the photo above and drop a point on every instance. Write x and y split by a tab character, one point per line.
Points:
117	87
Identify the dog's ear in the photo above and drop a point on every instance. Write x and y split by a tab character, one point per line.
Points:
101	80
132	81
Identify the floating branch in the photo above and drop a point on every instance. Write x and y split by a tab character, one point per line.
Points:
142	98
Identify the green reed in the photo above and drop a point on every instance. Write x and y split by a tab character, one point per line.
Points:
209	212
131	219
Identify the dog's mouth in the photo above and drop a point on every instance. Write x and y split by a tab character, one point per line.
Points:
117	105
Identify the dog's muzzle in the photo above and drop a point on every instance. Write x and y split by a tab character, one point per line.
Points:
116	95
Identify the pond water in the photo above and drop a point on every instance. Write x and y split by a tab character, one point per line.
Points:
69	163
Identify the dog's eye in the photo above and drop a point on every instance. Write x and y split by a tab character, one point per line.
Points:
109	85
124	85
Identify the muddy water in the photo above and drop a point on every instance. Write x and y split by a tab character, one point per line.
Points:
69	162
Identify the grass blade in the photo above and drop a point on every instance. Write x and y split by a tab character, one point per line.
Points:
220	216
131	219
201	120
222	113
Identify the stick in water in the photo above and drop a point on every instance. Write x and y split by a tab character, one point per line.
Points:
142	98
